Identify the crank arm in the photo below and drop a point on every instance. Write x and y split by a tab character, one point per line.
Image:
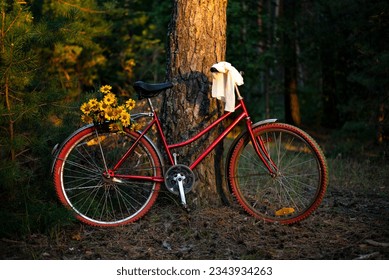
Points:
182	193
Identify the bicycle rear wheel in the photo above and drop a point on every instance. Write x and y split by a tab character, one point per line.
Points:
299	185
82	184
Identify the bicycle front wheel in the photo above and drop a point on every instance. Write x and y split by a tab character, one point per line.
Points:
83	184
298	186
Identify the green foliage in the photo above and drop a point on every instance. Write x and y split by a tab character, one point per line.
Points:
51	52
134	48
25	109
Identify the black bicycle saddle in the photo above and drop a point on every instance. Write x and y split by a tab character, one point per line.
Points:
148	90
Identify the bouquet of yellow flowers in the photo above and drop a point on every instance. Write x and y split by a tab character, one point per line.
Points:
108	110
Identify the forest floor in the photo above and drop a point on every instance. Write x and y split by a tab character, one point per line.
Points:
351	223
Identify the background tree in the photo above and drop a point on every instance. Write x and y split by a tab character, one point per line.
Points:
197	40
289	30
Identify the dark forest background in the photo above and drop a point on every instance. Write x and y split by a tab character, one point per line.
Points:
321	65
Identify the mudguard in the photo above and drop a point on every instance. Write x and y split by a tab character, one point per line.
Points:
58	147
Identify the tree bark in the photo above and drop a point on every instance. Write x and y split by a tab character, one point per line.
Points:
197	40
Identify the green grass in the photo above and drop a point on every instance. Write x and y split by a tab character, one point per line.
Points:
360	174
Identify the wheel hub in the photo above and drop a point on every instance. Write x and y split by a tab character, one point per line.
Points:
109	178
108	174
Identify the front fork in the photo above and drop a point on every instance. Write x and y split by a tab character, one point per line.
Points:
261	151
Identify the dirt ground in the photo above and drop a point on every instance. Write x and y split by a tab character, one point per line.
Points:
351	223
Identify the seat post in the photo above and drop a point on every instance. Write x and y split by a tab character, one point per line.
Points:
150	104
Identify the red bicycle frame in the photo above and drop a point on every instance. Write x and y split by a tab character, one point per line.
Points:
258	145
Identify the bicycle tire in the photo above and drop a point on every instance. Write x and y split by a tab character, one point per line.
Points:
299	185
95	199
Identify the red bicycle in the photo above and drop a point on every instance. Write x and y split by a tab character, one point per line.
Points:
276	171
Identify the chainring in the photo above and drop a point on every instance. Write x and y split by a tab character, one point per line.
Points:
179	171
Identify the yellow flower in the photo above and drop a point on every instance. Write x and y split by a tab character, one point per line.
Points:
125	123
86	119
100	117
94	104
130	104
103	106
105	89
86	108
114	127
115	116
108	109
110	114
135	126
110	99
120	109
125	118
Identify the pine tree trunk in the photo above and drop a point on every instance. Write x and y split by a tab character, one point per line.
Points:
11	121
197	40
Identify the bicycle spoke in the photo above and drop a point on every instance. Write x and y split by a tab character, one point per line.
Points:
80	167
89	158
